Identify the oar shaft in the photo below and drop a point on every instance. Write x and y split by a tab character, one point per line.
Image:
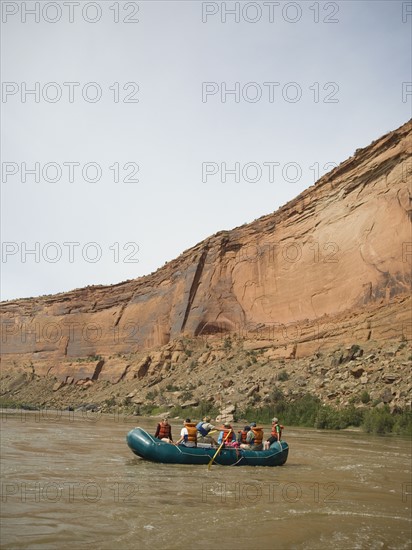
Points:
217	452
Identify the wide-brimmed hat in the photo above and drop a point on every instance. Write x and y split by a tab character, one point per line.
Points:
274	419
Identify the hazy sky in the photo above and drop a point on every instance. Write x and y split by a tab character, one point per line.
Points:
133	130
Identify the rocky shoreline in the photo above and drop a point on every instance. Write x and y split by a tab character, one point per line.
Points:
228	373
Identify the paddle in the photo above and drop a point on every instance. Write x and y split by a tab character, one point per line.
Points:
217	452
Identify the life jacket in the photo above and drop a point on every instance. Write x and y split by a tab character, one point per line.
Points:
164	431
258	435
275	432
192	431
200	428
232	436
243	435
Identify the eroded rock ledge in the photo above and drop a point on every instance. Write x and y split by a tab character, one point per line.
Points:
228	372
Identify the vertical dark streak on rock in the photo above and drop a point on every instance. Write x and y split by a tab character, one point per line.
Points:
98	370
194	286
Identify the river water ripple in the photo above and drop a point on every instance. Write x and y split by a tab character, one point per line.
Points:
68	480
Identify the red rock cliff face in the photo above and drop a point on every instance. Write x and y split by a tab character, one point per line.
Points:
332	265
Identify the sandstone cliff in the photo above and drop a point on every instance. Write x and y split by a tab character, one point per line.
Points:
330	268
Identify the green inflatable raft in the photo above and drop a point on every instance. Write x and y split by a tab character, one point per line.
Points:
150	448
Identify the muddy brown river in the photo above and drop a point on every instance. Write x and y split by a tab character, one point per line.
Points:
68	480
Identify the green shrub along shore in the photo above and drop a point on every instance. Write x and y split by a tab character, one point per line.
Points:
309	412
306	411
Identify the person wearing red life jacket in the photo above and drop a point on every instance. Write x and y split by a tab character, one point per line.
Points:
247	438
275	434
242	434
164	431
231	436
188	434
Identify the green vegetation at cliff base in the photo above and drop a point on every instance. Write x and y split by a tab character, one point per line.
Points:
308	411
305	411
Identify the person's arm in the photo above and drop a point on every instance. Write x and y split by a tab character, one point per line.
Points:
170	434
157	430
181	437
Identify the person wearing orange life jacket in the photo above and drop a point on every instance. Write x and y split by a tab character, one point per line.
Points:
231	436
164	431
275	434
258	437
188	434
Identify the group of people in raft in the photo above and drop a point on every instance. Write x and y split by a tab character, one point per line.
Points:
251	437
